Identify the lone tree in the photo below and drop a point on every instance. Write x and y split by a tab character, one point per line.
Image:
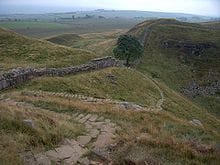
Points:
128	48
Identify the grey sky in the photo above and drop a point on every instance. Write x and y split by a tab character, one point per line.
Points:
202	7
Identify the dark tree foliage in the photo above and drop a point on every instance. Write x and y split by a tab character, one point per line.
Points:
128	48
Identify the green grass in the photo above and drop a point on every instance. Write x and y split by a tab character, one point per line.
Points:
47	28
115	83
64	39
32	24
170	65
98	43
211	103
20	51
172	138
127	85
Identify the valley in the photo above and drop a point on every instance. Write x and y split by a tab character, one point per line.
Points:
67	104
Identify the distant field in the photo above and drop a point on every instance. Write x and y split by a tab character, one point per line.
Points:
41	29
31	24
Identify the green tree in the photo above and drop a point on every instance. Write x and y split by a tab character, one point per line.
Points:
128	48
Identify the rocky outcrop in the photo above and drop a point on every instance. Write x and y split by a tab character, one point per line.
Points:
188	48
194	89
207	86
20	75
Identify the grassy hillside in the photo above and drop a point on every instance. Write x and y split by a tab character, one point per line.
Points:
166	136
64	39
178	53
119	84
98	43
212	24
20	51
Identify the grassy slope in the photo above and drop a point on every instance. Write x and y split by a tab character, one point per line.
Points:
17	50
64	39
99	43
212	25
167	64
116	83
122	84
172	137
31	24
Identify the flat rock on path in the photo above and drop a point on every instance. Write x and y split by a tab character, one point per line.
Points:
83	140
100	133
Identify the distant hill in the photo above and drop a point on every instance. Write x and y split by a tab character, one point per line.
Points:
212	24
80	22
64	39
183	55
98	43
101	13
17	50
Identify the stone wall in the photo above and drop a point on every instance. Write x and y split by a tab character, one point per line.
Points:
20	75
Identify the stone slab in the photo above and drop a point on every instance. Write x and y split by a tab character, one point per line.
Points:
83	140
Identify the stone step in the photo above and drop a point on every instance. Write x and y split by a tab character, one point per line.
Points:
93	118
68	153
84	140
93	133
84	119
79	117
104	139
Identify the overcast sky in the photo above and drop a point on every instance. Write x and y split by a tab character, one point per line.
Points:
201	7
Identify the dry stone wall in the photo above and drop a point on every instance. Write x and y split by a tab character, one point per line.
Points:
20	75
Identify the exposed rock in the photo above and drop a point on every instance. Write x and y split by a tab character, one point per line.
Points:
210	86
83	140
93	118
29	123
53	155
188	47
83	120
95	163
28	158
103	140
196	122
93	133
102	153
64	152
128	105
42	159
84	161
